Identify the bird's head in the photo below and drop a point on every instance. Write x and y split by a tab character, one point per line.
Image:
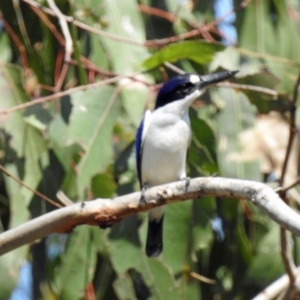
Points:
188	86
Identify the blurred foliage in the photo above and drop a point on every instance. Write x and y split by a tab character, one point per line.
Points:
81	143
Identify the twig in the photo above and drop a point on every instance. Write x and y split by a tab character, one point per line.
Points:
274	289
51	26
173	68
28	187
16	4
285	245
101	121
17	42
293	130
151	43
60	72
62	76
286	253
67	92
84	26
202	278
270	57
89	65
157	12
105	212
64	29
102	83
63	199
285	189
253	88
171	17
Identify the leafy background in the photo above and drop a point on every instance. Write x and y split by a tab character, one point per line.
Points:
82	143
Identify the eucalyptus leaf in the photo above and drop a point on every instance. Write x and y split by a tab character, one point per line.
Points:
77	265
235	116
124	20
200	52
25	140
124	288
91	126
11	262
177	234
267	265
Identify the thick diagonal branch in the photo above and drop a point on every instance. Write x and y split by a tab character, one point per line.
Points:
105	212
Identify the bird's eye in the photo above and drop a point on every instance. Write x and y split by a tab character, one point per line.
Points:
184	88
186	85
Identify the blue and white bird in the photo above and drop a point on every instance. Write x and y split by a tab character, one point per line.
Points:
163	139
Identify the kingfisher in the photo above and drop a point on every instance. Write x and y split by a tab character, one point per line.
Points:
163	139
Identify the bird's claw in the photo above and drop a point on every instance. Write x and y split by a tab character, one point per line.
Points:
143	200
187	182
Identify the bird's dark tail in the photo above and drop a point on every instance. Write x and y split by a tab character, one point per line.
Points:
154	245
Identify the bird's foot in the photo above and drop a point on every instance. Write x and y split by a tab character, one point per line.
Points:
143	196
187	182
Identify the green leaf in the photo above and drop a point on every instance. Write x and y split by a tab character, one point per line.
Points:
189	289
266	80
177	234
11	262
134	96
205	135
37	116
91	126
164	281
13	93
58	132
25	140
244	245
256	31
103	185
77	265
203	210
267	264
5	50
124	242
235	116
273	40
124	287
124	20
229	59
26	143
202	156
200	52
266	103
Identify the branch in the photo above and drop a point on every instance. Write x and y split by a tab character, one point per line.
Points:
286	250
106	212
248	87
68	92
37	193
64	29
293	130
274	289
150	43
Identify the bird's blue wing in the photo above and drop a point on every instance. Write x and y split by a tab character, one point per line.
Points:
139	140
138	149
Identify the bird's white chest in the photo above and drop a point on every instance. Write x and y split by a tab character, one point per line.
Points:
165	149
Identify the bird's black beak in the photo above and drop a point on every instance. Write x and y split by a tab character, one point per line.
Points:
210	79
